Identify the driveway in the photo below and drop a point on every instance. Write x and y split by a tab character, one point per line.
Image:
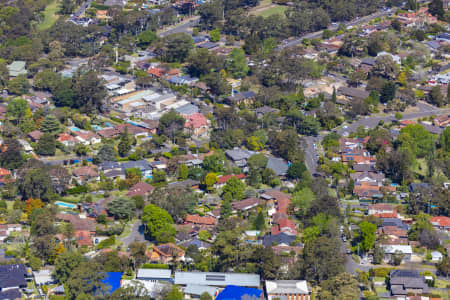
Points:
136	234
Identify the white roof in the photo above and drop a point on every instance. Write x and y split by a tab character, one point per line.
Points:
154	273
43	277
217	279
152	288
123	91
391	249
287	287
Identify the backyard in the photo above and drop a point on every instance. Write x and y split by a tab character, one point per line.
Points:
50	15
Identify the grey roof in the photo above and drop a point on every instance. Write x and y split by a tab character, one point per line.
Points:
208	45
17	68
266	109
109	165
405	273
443	35
154	274
368	61
11	294
141	164
239	154
278	165
120	3
187	109
198	289
292	287
217	279
196	242
241	96
185	183
394	222
434	45
415	187
364	168
373	176
353	92
12	276
281	238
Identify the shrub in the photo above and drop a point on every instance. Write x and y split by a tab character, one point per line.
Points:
154	266
107	243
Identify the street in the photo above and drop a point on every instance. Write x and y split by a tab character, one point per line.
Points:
181	27
136	234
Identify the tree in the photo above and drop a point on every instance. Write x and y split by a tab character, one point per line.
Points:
435	97
106	153
36	183
11	156
204	235
175	47
343	286
296	170
121	208
89	91
237	63
256	164
81	149
17	110
302	200
210	180
397	258
65	263
159	176
171	124
235	187
174	294
215	35
86	279
444	140
217	84
137	252
46	145
67	7
259	221
125	143
146	38
202	62
416	138
205	296
385	67
50	124
436	8
178	201
4	74
32	204
159	223
444	266
19	85
183	172
35	263
368	236
388	92
378	254
225	209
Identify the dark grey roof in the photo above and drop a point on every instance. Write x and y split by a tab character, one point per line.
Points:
405	273
278	165
364	168
433	45
281	238
208	45
11	294
140	164
368	61
109	165
353	92
238	154
12	276
444	35
188	109
416	187
266	109
241	96
394	222
196	242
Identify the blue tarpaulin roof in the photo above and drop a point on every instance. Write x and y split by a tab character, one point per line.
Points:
232	292
112	281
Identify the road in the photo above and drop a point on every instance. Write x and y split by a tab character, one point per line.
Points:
82	9
136	234
312	35
181	27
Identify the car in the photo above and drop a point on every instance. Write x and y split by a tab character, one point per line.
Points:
315	146
348	251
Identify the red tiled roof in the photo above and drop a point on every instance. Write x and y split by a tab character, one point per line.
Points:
131	128
108	132
225	178
393	215
65	137
140	189
441	220
35	134
83	238
196	120
196	219
381	206
4	172
283	205
85	171
157	72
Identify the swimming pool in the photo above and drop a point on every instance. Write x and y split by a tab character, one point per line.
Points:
65	204
96	127
74	128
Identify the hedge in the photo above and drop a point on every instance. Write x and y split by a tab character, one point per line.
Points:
154	266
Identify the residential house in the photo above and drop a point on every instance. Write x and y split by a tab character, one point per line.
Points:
264	110
201	245
286	226
350	144
368	177
102	15
35	135
290	289
442	121
134	130
407	282
194	291
239	156
443	37
140	189
441	223
358	156
199	220
390	250
13	278
245	98
165	253
109	132
17	68
87	137
85	174
217	279
281	239
83	238
144	166
164	275
222	180
208	45
352	93
196	124
79	223
419	187
182	80
436	256
278	165
43	277
7	229
67	140
5	176
367	64
381	208
245	205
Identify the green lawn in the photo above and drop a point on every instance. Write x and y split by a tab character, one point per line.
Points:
277	9
442	284
50	16
380	289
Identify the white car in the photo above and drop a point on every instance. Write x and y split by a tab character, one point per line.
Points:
344	127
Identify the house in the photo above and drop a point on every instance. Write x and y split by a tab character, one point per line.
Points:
7	229
199	220
217	279
419	187
353	93
407	282
245	205
350	144
436	256
67	140
291	289
222	180
134	130
194	291
12	277
196	124
380	209
442	121
395	58
102	15
390	250
264	110
244	97
5	177
278	165
87	137
441	223
120	3
201	245
154	275
86	173
79	224
43	277
367	64
281	239
443	37
182	80
35	135
239	156
232	292
109	132
83	238
165	253
368	177
140	189
358	156
17	68
144	166
208	45
286	226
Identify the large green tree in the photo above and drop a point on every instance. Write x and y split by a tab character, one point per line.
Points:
11	156
86	279
121	208
368	236
235	187
46	145
65	263
175	47
237	63
106	153
50	124
159	224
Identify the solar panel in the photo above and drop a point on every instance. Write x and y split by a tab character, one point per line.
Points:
215	277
